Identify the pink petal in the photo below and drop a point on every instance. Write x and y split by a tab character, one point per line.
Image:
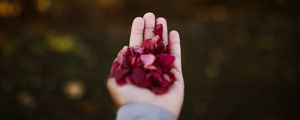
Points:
138	50
147	59
121	54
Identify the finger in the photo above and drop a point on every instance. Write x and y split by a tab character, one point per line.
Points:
149	19
175	48
163	21
137	30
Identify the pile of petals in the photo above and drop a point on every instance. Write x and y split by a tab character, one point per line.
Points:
148	66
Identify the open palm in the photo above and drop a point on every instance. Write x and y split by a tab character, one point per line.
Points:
142	28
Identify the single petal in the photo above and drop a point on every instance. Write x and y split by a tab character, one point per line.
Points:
159	89
147	59
158	30
169	77
148	44
138	77
168	48
166	59
119	75
115	66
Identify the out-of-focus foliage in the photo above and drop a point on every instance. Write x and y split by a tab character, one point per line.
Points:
240	58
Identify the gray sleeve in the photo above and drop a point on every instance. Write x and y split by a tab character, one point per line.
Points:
143	111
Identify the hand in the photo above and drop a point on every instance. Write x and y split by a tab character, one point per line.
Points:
142	28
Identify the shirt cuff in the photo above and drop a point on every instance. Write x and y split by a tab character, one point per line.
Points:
143	111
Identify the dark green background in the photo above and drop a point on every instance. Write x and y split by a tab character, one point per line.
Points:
240	58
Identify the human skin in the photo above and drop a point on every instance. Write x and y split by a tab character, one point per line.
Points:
142	29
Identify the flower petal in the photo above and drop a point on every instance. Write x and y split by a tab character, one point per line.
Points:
138	77
147	59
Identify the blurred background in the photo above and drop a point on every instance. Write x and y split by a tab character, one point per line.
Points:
240	58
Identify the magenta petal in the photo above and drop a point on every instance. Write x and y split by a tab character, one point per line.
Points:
168	48
120	82
148	44
166	59
115	66
155	76
119	74
147	59
138	77
159	89
158	30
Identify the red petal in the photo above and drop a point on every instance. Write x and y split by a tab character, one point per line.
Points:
138	77
166	59
168	48
159	89
148	44
119	74
158	31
